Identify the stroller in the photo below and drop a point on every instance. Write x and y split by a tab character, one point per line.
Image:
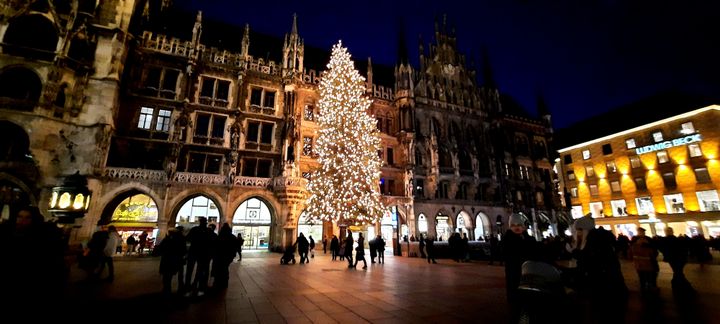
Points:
541	291
288	256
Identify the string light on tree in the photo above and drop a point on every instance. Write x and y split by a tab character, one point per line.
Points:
345	188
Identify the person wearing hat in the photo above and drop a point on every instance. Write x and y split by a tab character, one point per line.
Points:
645	255
517	247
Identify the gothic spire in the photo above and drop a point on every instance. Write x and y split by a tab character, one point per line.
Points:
488	80
402	45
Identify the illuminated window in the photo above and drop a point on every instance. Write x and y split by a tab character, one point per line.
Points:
615	186
155	120
708	200
307	146
674	203
630	143
662	157
695	150
586	154
309	113
596	209
687	128
576	212
422	223
635	162
644	205
657	136
702	175
589	171
594	190
571	175
574	192
611	166
619	207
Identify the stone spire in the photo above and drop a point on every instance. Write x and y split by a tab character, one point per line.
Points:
293	49
245	42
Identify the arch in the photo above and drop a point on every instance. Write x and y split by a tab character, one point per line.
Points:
182	197
267	198
117	195
253	219
309	227
133	212
463	223
33	36
187	211
20	85
482	226
14	193
422	224
14	142
443	225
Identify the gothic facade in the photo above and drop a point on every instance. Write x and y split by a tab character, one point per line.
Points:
170	123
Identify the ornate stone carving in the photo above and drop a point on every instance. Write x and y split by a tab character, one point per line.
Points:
135	174
200	178
252	182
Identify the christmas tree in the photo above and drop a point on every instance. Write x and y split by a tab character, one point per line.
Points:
345	189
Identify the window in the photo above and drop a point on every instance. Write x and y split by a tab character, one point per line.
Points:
674	203
657	136
568	159
539	197
209	129
630	143
586	154
669	180
204	163
644	205
611	168
390	156
702	175
695	150
576	212
153	119
214	92
615	186
687	128
462	191
708	200
619	207
253	167
160	82
640	183
262	100
589	171
259	134
571	175
309	113
507	170
307	146
574	192
596	209
388	125
662	157
607	149
635	162
442	191
594	190
419	188
418	157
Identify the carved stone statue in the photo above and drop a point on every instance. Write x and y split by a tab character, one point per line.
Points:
182	123
235	130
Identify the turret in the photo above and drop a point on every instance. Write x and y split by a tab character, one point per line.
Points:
293	49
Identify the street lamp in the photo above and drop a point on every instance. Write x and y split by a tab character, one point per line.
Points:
71	199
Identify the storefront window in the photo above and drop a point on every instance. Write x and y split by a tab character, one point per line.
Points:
422	223
461	227
252	219
708	200
596	208
576	211
137	208
619	208
629	230
310	227
442	228
644	205
674	203
200	206
479	228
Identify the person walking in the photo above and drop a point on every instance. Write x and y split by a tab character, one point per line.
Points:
312	247
421	246
303	246
334	247
200	254
131	243
518	247
142	242
240	243
360	251
224	255
324	244
645	254
380	247
373	250
172	252
113	240
347	251
430	249
675	253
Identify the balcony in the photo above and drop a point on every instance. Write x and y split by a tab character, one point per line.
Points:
252	182
200	178
135	174
204	140
262	110
214	102
447	170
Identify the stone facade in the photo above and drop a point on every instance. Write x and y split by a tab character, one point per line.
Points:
140	111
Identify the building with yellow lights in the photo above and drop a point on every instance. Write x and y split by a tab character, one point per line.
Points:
659	174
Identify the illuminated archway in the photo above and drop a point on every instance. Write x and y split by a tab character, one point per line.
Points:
463	223
195	207
422	224
253	219
136	214
482	227
310	228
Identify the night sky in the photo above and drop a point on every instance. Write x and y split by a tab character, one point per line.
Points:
585	57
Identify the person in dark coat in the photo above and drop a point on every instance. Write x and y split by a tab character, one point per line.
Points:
240	243
348	248
380	247
312	247
201	242
675	253
360	252
517	247
172	252
303	246
334	247
430	249
225	251
324	244
373	250
421	246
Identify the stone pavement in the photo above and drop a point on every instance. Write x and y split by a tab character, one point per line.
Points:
403	290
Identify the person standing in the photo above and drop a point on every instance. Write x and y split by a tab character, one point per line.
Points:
421	246
430	249
334	247
312	246
518	247
360	251
142	242
675	253
373	250
224	255
172	251
113	240
645	254
131	242
380	246
324	244
200	253
240	242
347	252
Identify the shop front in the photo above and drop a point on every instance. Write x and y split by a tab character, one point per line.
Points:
136	215
253	219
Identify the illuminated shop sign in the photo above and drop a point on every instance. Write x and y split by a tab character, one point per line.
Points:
685	140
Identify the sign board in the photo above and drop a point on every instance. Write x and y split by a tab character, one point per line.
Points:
685	140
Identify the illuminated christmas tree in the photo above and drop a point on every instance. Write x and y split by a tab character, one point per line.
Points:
345	189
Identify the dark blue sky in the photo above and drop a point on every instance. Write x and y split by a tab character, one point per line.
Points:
584	56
